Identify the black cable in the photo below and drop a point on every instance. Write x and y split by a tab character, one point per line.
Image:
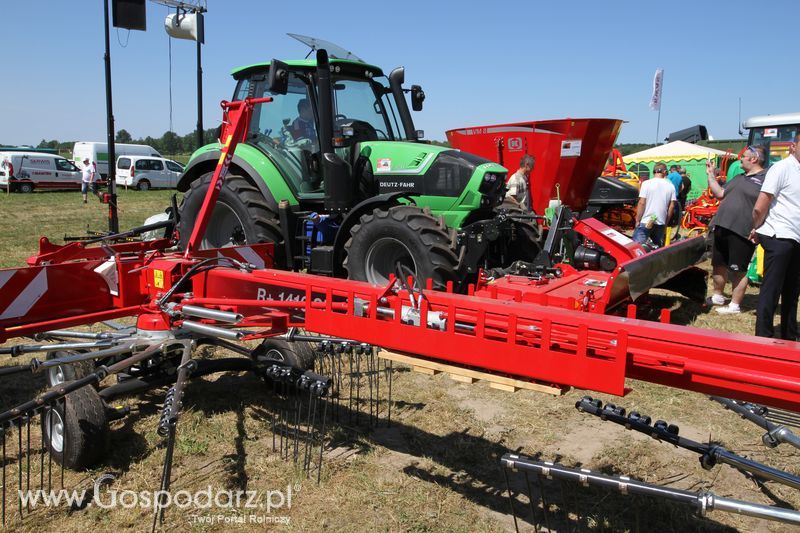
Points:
194	270
126	40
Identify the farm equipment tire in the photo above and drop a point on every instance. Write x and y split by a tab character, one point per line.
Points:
241	216
403	234
56	375
76	439
297	354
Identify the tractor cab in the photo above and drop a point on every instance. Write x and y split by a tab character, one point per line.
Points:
288	129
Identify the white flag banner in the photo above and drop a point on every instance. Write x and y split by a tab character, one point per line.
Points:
658	83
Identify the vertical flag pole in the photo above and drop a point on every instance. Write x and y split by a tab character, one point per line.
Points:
655	100
658	123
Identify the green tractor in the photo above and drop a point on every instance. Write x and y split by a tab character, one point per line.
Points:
335	174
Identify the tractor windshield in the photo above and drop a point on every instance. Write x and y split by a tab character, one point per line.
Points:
366	101
775	138
285	129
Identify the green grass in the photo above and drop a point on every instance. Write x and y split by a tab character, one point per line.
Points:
25	218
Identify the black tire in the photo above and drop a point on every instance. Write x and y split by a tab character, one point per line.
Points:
241	216
79	441
297	354
57	375
143	185
405	234
525	240
25	187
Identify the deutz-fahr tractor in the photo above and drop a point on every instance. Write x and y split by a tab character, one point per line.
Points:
335	174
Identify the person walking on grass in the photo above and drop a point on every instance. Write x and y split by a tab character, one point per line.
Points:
732	247
776	223
88	179
656	202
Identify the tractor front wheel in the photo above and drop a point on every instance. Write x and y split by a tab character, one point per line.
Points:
241	216
401	239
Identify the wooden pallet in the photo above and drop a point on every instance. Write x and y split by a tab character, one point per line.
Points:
467	375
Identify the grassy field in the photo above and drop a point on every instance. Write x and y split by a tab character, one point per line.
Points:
437	466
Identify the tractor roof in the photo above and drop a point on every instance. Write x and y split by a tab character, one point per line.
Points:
348	66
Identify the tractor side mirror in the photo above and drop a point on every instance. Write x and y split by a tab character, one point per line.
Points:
417	97
278	77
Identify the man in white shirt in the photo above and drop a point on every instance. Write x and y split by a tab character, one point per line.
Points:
88	173
656	202
518	183
776	223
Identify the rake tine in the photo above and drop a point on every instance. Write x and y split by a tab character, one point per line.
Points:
297	410
376	365
321	441
28	480
545	505
19	467
64	441
339	380
530	501
510	498
4	473
358	387
391	378
350	399
371	391
309	430
41	455
50	455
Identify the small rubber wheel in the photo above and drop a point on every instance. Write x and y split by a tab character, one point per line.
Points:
56	375
297	354
75	431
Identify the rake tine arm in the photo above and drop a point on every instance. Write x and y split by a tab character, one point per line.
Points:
66	388
710	454
703	502
776	433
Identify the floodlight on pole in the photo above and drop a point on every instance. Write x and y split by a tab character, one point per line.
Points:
187	23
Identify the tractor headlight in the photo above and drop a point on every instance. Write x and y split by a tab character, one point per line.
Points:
492	182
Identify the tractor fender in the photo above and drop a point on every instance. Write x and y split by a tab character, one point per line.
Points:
353	217
207	162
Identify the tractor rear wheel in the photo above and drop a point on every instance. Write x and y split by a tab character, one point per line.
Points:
402	236
241	216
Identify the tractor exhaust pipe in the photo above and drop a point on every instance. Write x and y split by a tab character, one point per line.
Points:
396	79
339	187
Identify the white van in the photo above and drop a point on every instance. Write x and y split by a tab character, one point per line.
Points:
98	152
36	170
146	173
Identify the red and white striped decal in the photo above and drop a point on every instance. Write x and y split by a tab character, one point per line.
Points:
19	291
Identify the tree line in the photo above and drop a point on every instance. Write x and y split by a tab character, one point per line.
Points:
170	143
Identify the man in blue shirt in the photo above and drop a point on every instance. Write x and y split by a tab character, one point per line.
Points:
674	177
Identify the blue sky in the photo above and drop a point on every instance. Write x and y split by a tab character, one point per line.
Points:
479	62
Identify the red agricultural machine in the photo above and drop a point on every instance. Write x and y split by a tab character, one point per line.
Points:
571	156
563	324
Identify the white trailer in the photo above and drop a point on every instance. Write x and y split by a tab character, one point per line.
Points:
98	152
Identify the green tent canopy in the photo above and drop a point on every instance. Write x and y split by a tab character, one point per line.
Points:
687	155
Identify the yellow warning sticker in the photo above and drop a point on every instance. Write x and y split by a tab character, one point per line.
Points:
158	279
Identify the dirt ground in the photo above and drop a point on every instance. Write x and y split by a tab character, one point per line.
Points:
435	467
